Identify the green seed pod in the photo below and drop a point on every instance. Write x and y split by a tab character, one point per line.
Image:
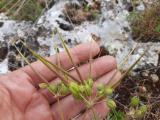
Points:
88	90
82	88
111	104
63	89
43	85
53	88
101	90
101	87
135	101
90	82
74	89
109	90
143	108
138	114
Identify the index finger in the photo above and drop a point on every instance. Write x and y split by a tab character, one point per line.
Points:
80	53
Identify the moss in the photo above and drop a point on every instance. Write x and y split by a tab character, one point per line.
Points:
146	25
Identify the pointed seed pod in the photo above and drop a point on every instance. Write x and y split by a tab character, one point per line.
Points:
88	90
43	85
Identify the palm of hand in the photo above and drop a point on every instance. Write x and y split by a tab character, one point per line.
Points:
20	99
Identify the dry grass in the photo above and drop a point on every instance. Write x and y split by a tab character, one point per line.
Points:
146	25
22	9
80	13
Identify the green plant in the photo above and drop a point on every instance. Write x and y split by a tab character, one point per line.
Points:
136	109
145	25
82	90
157	29
22	9
111	104
116	115
135	101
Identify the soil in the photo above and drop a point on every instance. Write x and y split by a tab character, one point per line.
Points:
143	86
80	13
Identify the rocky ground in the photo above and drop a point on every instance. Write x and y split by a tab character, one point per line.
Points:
105	21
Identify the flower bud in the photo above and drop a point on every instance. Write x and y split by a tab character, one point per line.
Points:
43	85
111	104
135	101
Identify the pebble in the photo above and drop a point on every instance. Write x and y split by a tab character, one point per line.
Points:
145	73
142	89
154	78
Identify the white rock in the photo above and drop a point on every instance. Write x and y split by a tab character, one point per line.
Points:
154	78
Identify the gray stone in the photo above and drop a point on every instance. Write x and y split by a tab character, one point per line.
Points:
154	78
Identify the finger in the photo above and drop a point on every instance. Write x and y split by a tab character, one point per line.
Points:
99	111
100	67
71	107
80	53
114	78
67	107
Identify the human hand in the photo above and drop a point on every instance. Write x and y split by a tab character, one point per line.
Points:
21	99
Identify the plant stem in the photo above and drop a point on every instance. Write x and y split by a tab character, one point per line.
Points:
94	114
61	113
129	69
25	59
123	62
52	66
90	61
69	55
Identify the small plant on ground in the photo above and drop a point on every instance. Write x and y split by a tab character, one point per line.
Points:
146	25
77	14
22	9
